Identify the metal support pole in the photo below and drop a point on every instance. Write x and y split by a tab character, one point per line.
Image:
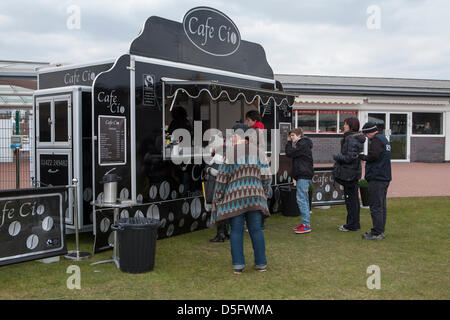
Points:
76	255
17	168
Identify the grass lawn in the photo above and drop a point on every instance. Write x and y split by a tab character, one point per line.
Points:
325	264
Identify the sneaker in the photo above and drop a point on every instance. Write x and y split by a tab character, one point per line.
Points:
260	269
238	271
371	236
303	229
296	227
342	228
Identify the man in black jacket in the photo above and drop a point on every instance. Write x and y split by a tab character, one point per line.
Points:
299	148
378	176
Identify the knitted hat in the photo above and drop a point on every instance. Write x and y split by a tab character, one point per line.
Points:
369	127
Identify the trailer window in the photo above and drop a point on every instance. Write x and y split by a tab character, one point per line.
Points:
210	114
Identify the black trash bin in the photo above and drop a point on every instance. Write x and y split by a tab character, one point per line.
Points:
137	243
289	201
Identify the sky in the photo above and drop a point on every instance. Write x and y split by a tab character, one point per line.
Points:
378	38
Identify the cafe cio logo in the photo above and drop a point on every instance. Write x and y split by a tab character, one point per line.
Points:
211	31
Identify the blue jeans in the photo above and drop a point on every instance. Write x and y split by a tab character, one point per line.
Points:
303	200
254	222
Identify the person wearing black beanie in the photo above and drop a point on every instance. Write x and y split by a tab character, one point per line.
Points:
378	176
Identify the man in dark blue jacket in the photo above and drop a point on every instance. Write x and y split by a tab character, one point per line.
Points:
378	176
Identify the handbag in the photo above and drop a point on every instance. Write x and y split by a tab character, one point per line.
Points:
343	175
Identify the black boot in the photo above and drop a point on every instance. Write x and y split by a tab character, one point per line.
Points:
220	237
222	233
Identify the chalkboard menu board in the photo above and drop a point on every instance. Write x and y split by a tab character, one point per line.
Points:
285	127
326	190
267	110
284	112
112	140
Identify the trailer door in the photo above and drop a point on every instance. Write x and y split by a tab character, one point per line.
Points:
54	122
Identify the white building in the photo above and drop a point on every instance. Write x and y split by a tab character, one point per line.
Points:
413	113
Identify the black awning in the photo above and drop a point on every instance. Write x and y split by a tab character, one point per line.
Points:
218	90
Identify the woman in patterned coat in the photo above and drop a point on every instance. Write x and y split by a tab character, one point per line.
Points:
242	185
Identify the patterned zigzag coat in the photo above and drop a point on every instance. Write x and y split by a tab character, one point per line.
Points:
241	186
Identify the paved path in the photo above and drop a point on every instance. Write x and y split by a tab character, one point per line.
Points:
417	179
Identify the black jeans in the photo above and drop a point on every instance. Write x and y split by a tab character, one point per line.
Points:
377	202
352	203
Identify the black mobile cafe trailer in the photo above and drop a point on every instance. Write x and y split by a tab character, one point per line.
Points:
110	116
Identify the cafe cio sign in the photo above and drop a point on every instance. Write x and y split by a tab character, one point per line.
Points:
32	224
211	31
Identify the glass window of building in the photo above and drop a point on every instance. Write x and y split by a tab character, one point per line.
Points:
427	123
307	120
327	121
344	115
323	121
380	121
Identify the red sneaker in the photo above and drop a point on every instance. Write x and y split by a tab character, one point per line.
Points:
303	229
296	227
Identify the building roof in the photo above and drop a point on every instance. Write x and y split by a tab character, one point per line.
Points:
10	69
12	96
18	79
363	85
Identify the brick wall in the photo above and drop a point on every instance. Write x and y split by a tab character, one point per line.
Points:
324	147
427	149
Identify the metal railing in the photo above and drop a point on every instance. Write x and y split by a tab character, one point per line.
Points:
16	148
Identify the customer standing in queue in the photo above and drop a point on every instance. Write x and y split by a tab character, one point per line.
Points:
242	185
299	148
212	171
348	171
253	121
378	176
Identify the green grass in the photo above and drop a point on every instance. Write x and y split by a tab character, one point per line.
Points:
325	264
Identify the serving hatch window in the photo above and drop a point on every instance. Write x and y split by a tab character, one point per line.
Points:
427	123
220	115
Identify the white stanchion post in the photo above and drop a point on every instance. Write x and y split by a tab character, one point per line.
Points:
76	255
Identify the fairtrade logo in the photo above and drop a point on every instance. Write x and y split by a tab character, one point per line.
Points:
211	31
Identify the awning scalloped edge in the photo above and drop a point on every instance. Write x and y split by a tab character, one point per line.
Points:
229	98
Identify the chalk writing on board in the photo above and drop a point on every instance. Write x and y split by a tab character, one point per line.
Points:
285	127
112	140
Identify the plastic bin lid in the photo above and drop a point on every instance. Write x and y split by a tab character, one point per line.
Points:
138	222
110	177
287	188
